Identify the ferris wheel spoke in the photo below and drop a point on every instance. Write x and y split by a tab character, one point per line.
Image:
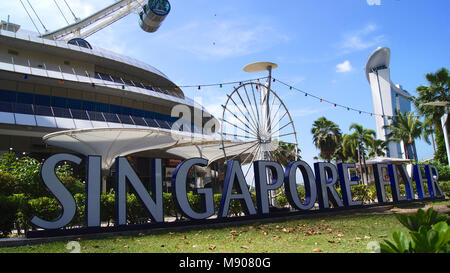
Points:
251	154
236	136
238	107
288	134
278	122
246	125
256	106
278	130
251	107
238	127
276	113
239	144
234	116
253	159
243	152
255	125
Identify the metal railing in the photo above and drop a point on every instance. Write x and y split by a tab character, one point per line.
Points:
57	112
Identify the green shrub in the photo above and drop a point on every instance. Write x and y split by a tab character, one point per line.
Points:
8	211
429	233
23	213
7	186
80	216
433	240
445	186
282	200
45	208
421	219
107	207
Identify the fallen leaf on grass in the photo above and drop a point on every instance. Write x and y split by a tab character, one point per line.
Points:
317	250
244	247
212	247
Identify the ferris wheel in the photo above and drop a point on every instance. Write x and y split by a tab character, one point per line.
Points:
258	123
151	15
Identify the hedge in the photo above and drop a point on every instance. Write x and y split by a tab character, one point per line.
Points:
17	209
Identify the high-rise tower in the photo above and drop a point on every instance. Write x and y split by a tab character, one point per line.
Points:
387	98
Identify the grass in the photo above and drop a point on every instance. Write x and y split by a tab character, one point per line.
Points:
342	233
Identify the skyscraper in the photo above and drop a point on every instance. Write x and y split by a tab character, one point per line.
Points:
387	98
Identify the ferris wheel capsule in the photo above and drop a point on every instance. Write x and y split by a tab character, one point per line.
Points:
153	14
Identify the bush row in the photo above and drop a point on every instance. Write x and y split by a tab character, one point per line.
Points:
365	193
17	209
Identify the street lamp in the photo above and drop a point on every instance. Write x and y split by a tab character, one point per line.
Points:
444	120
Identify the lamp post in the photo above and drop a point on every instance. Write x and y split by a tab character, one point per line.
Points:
444	120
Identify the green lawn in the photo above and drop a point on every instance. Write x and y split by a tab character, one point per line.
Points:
341	233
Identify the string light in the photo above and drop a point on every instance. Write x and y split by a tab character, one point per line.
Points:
335	104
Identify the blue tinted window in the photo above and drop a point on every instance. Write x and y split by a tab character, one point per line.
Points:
148	114
42	100
127	111
102	107
75	104
88	105
25	98
138	113
115	109
9	96
59	102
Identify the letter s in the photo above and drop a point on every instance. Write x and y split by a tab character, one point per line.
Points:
55	186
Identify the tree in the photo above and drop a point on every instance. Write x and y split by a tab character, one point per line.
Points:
326	137
428	130
356	145
406	128
378	148
286	153
437	90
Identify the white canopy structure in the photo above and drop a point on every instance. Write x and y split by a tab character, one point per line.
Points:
110	143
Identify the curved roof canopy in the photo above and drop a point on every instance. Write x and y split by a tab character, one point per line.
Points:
110	143
379	58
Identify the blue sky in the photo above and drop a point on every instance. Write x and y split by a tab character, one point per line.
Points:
321	46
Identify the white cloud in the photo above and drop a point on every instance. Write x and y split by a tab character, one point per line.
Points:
344	67
222	39
361	39
374	2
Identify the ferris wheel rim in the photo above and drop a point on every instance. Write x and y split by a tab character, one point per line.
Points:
281	105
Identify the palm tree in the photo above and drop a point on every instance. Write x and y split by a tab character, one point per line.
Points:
405	128
286	153
357	144
378	148
437	90
326	137
428	130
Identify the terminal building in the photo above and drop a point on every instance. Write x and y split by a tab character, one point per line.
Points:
68	96
387	99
